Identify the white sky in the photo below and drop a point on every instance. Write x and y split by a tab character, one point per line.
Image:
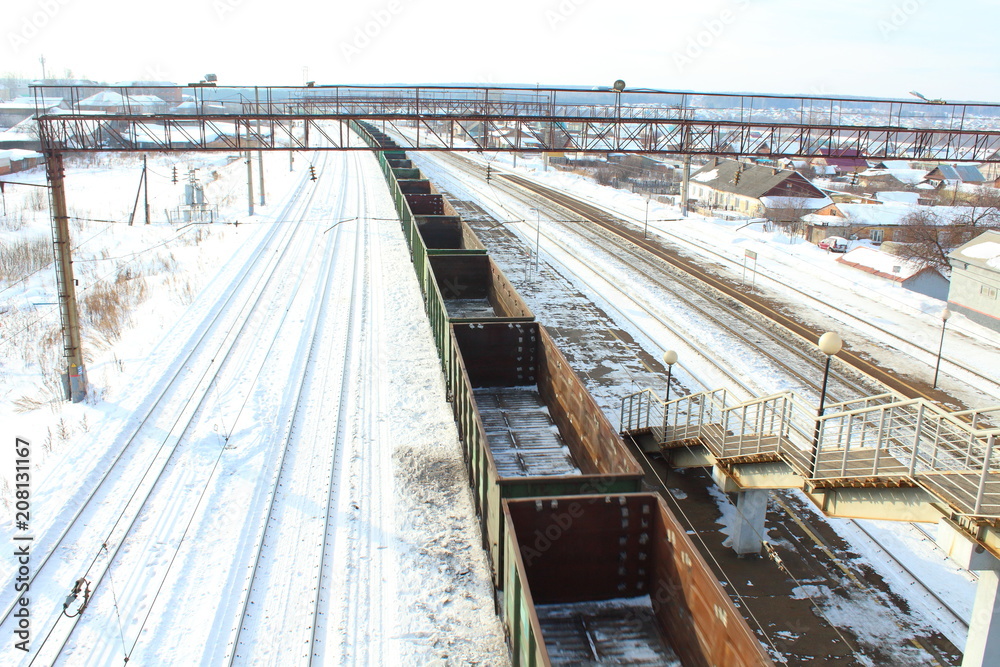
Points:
865	47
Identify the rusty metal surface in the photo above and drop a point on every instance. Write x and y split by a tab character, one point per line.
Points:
607	547
414	186
463	277
613	632
522	436
426	204
580	420
499	355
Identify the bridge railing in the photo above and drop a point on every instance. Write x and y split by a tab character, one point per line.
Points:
876	439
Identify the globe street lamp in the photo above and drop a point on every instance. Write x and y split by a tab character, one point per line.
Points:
669	358
829	344
945	314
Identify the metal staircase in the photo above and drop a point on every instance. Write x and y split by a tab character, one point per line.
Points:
880	441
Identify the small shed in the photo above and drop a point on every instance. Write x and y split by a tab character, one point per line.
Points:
925	280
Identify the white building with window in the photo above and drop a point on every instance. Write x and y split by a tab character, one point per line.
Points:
975	279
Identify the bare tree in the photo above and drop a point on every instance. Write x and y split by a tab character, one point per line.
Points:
788	215
921	239
980	208
926	237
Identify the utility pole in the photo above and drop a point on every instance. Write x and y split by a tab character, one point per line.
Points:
75	379
260	168
41	59
685	183
260	153
145	182
249	183
685	146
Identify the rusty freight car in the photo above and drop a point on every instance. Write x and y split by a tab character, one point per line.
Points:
543	459
614	579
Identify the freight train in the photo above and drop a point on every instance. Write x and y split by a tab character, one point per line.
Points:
588	566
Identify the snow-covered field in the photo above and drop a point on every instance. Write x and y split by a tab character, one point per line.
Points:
321	325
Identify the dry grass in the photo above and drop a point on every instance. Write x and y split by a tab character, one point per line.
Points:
107	306
24	256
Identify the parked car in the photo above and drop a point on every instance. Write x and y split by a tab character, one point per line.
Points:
834	244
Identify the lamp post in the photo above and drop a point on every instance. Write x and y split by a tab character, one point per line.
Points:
618	87
538	235
669	358
945	314
646	226
829	344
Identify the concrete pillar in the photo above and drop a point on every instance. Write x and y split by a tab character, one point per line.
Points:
748	533
982	648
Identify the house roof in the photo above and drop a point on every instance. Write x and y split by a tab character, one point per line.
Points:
966	173
19	154
109	98
892	164
908	176
982	251
901	197
846	163
885	215
881	263
29	103
755	180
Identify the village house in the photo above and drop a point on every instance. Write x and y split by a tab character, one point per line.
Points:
753	190
953	174
975	279
876	222
22	108
839	161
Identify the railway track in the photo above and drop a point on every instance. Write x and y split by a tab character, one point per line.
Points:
173	403
318	580
774	311
147	463
662	290
849	388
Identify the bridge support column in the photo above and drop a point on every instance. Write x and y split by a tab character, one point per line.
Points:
748	531
982	648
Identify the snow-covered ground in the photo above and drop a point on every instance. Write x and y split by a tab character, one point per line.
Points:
393	574
406	578
880	318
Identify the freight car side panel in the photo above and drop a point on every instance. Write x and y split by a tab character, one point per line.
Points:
474	289
608	547
491	354
578	416
524	633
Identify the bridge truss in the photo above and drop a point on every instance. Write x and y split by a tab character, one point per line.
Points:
529	120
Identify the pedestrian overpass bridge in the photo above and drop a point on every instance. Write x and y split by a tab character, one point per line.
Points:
879	457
